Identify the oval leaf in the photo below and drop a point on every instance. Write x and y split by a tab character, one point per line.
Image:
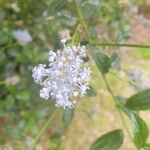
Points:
110	141
140	131
102	61
139	101
68	116
115	61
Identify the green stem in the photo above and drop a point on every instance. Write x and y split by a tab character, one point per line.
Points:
74	35
119	44
107	44
83	21
120	113
43	129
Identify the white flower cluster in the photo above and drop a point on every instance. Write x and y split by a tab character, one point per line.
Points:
65	78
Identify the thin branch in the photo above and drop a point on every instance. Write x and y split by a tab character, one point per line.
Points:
120	113
81	18
120	45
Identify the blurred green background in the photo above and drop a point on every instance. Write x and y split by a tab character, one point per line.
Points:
28	30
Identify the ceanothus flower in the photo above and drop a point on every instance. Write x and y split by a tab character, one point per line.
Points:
65	77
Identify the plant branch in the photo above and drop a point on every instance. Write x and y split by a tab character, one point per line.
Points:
83	23
75	34
120	113
119	44
81	18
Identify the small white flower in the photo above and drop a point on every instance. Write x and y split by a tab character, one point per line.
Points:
65	77
52	56
83	89
22	36
75	94
63	41
38	73
44	93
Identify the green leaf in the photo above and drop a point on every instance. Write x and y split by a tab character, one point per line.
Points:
15	133
102	61
110	141
91	92
10	101
115	61
4	38
57	135
56	6
23	95
121	104
140	131
146	147
140	100
68	116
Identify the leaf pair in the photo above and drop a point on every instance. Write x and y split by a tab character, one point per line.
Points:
139	101
139	127
131	106
102	61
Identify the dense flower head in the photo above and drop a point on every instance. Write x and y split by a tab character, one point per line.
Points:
65	77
